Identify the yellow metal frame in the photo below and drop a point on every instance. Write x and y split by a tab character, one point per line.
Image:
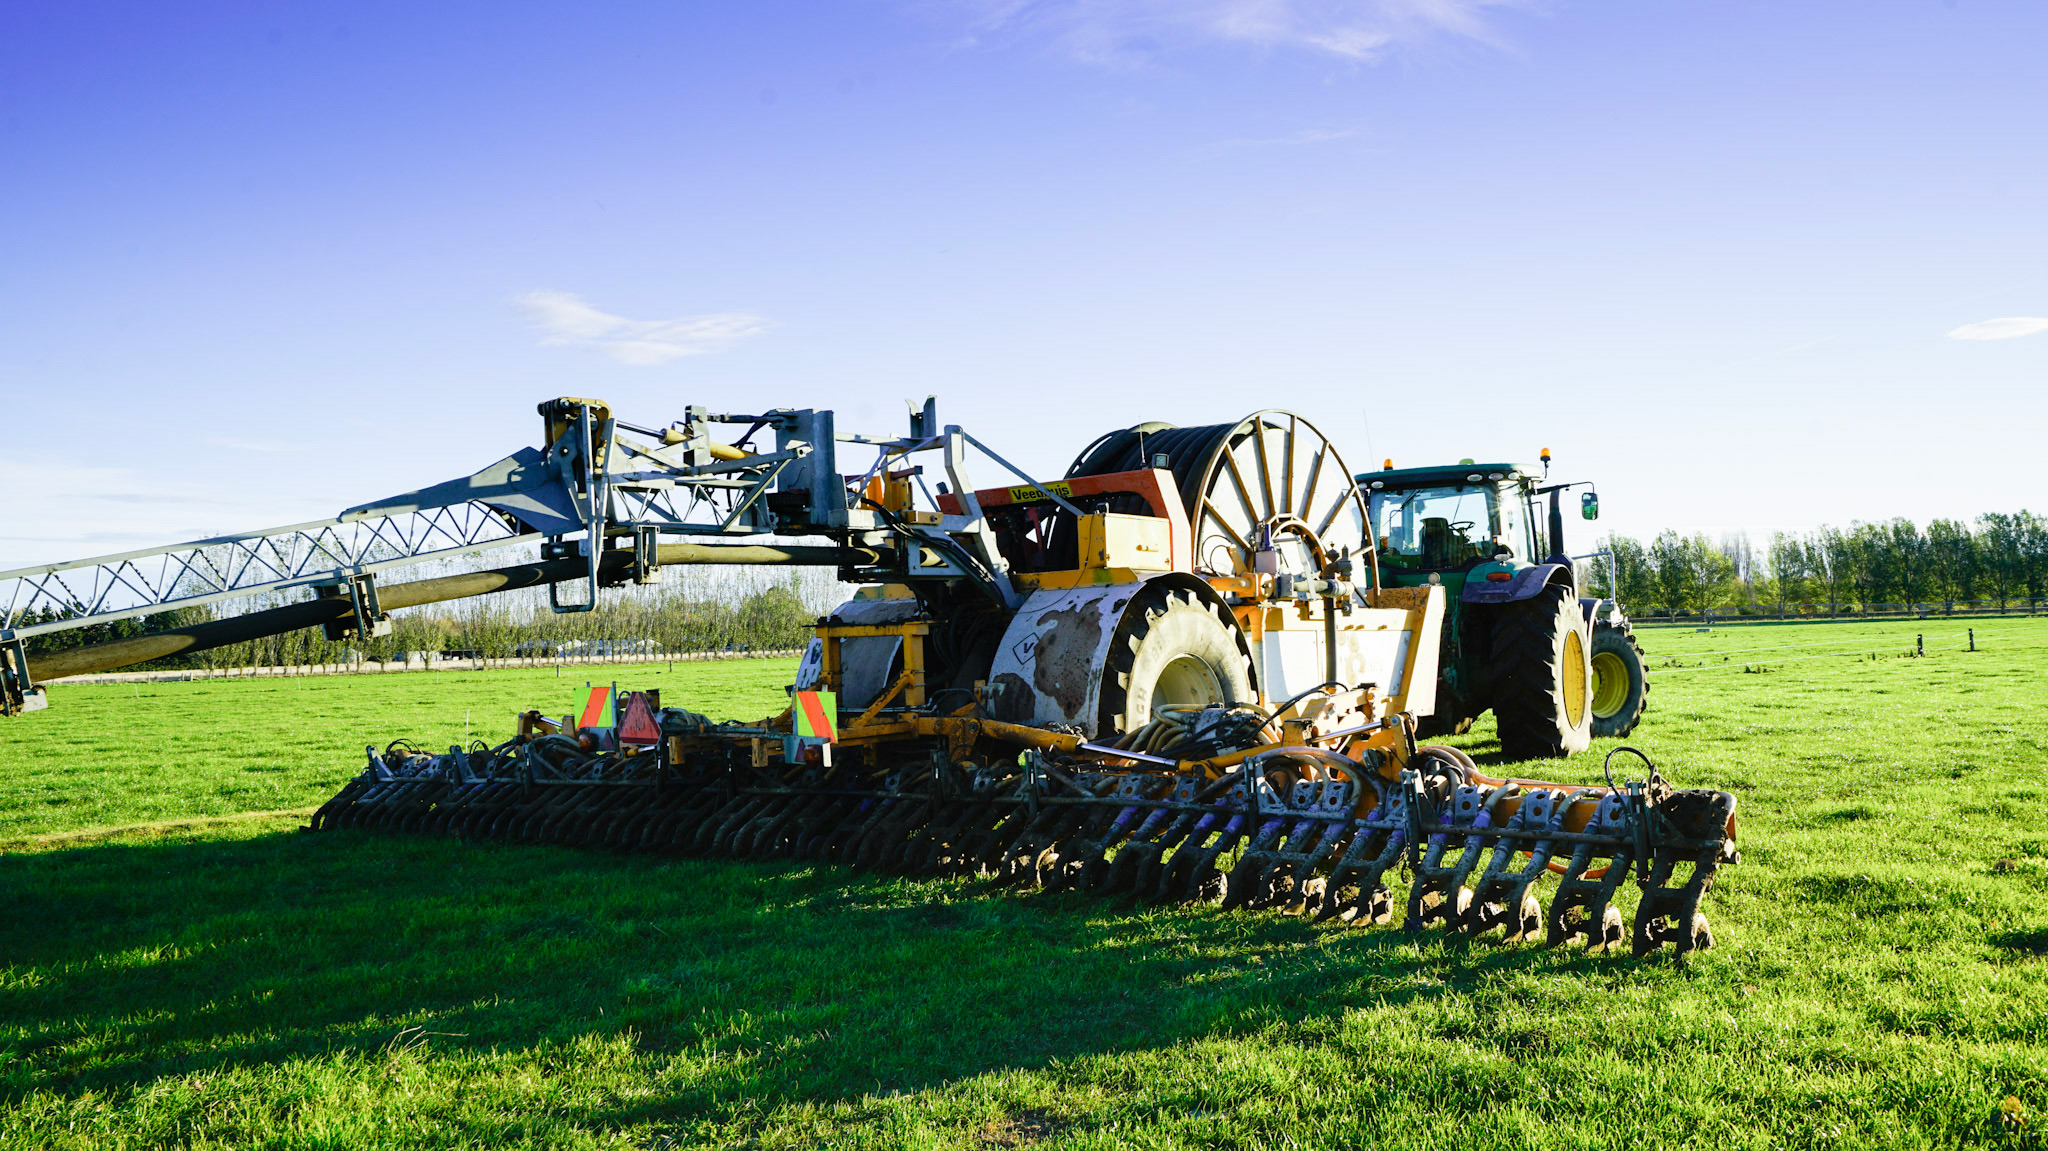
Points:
911	683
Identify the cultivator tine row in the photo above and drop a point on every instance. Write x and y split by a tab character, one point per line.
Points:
1291	830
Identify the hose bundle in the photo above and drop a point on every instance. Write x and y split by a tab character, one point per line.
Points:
1192	731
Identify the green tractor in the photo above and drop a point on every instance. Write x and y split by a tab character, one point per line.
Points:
1556	668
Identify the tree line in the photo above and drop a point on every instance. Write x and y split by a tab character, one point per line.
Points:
2000	558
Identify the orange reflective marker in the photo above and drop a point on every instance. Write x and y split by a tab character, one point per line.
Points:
594	711
814	714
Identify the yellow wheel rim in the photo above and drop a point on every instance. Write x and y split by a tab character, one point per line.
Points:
1610	684
1574	678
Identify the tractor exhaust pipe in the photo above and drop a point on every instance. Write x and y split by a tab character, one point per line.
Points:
1557	554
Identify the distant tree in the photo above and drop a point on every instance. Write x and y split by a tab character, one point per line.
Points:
1691	572
1829	556
1635	572
774	617
1789	569
2033	542
1710	573
1952	560
1906	559
1632	570
1742	564
1667	559
1863	553
2002	556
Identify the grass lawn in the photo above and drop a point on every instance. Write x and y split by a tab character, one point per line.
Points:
175	972
115	754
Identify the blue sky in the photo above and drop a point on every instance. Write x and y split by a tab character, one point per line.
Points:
265	261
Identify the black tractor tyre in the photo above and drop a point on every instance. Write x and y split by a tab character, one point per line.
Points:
1620	688
1172	647
1543	676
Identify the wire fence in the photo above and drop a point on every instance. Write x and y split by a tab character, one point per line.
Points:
1863	647
1792	612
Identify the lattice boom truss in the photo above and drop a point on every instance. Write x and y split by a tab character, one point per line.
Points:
136	583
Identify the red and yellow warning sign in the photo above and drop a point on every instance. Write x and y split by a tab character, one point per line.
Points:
814	712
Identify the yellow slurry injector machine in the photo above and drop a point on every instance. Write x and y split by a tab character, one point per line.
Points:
1172	673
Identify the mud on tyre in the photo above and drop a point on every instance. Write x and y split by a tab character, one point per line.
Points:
1172	647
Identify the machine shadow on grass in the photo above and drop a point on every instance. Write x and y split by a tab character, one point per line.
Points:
128	962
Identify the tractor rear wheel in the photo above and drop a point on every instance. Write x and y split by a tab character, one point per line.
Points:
1619	685
1173	647
1543	676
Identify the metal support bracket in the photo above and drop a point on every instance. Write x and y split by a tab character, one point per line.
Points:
646	555
978	529
18	693
366	619
587	444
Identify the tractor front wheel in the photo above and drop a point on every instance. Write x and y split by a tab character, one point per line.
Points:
1543	676
1619	685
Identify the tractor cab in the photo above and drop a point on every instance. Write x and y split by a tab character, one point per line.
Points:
1456	523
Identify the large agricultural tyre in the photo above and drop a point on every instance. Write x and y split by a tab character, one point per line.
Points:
1619	685
1172	647
1543	676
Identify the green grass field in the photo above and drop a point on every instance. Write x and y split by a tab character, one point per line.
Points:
177	972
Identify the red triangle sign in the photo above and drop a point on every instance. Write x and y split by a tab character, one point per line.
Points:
638	726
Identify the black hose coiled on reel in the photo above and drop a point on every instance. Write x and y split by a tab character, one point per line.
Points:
1187	452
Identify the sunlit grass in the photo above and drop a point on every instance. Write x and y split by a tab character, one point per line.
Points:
1879	979
128	753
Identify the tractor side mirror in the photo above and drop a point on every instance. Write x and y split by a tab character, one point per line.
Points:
1589	505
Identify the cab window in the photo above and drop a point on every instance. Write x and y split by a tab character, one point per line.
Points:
1441	528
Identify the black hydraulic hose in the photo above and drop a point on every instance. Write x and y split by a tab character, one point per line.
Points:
1323	687
1607	765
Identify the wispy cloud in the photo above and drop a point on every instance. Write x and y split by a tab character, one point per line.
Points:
567	322
2003	328
1127	31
